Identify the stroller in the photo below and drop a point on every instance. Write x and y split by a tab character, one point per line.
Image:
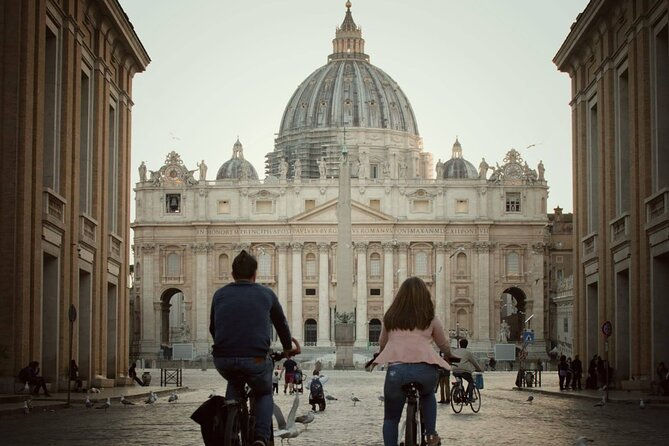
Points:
298	381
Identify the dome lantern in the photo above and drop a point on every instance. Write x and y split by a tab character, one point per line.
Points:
348	42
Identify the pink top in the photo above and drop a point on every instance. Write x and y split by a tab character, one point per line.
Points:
414	346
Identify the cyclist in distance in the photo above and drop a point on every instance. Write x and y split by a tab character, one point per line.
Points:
467	365
241	316
409	328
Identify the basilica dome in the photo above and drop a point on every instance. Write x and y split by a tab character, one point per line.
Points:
348	92
237	167
457	166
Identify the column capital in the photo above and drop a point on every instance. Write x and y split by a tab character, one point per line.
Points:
388	246
539	248
297	246
403	245
201	248
239	246
282	246
158	305
361	247
148	248
483	247
323	248
440	247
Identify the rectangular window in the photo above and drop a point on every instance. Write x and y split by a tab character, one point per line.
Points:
660	105
461	206
264	265
565	325
224	207
51	155
374	171
622	152
112	168
559	259
309	204
173	203
593	167
85	156
420	206
263	206
513	202
375	292
310	292
375	204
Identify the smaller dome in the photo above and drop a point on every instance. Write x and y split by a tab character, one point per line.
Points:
457	166
237	167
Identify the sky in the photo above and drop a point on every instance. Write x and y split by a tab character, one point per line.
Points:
478	70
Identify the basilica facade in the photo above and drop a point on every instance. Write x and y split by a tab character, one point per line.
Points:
477	236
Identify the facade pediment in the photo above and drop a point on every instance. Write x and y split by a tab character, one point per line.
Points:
327	213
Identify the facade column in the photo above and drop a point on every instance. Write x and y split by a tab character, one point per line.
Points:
361	336
282	285
484	334
388	275
201	316
449	322
149	342
402	272
537	294
296	295
440	273
323	296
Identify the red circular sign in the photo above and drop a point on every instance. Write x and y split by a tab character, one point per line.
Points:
607	328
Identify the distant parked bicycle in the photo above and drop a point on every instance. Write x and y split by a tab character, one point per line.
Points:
459	396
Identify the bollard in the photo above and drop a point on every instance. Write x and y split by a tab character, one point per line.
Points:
204	364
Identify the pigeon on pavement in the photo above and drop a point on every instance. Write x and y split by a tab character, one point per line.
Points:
173	398
355	399
126	402
106	405
287	428
305	419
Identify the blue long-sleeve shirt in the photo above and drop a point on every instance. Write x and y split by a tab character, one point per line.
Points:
242	313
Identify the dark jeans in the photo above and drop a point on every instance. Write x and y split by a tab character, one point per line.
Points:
562	378
138	381
576	381
398	375
38	382
257	373
467	376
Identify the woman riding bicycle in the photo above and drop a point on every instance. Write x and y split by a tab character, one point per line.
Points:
409	328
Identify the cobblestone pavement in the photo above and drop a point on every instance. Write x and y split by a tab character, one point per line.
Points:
505	418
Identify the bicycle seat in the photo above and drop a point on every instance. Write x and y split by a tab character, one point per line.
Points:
412	385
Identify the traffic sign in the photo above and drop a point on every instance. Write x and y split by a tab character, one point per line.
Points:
528	336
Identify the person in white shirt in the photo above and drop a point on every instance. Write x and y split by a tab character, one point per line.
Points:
466	366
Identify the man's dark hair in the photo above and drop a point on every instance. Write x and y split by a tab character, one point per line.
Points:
244	266
464	343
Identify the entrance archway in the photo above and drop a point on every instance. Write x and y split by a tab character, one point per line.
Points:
174	325
512	312
374	331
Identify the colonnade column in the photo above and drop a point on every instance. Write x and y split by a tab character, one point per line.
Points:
296	295
361	335
440	272
448	274
282	282
323	296
201	319
149	343
483	279
402	272
537	293
388	275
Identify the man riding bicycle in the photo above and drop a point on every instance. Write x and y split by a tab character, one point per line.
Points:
241	314
466	366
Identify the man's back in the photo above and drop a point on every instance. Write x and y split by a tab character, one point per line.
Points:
467	362
242	313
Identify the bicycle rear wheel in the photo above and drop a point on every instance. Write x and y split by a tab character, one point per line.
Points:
235	429
457	398
475	403
411	432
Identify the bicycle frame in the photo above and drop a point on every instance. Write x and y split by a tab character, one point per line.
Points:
414	417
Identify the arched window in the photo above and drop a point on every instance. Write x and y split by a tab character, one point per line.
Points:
310	332
462	320
512	264
374	331
264	264
311	265
375	265
223	265
461	270
173	265
420	264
